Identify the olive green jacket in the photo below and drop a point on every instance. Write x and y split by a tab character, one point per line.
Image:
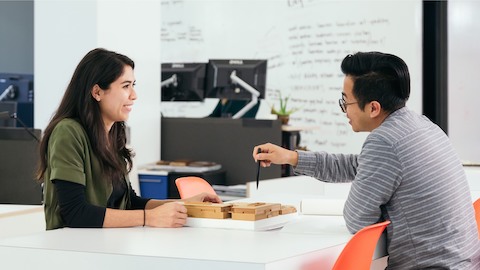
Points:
70	157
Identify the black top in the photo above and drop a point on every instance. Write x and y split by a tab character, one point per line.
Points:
76	212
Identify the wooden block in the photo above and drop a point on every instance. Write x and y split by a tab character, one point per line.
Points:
287	209
179	162
199	213
208	210
242	216
162	162
255	208
255	211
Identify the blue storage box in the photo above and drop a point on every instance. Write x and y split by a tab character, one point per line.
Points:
153	184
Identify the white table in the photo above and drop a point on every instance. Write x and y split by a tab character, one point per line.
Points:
18	220
300	241
183	248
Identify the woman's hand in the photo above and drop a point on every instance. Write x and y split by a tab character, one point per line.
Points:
173	214
168	215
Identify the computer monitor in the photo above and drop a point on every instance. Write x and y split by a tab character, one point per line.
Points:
18	88
18	162
7	108
183	81
237	79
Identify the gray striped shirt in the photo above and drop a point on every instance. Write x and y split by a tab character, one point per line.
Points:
408	173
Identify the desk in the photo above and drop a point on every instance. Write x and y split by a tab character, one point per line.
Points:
18	220
181	248
184	248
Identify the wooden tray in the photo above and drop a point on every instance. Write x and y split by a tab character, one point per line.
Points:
247	216
257	225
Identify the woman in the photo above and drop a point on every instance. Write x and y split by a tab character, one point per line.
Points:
84	161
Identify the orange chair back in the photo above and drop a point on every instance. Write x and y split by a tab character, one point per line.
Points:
191	185
358	252
476	206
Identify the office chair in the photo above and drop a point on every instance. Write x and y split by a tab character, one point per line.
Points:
191	185
357	253
476	206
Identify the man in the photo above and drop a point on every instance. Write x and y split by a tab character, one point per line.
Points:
407	171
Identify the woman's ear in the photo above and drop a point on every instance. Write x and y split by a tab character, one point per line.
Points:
96	92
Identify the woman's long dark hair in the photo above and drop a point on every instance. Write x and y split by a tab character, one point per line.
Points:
101	67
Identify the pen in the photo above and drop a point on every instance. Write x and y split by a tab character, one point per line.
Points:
258	166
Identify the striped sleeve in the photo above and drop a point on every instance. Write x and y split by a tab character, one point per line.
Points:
333	168
375	183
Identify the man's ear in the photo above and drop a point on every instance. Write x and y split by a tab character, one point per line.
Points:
375	109
96	92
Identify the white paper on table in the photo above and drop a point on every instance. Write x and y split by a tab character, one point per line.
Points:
316	224
323	206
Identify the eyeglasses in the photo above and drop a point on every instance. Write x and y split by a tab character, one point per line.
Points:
343	105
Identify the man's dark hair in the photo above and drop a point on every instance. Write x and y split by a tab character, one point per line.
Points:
378	77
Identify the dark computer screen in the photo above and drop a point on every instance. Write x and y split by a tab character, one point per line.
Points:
183	81
18	161
220	85
18	88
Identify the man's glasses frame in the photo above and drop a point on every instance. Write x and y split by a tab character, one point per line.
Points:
343	104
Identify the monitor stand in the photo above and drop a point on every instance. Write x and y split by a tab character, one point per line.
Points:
253	91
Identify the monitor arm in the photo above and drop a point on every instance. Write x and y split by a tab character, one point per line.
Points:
253	91
171	80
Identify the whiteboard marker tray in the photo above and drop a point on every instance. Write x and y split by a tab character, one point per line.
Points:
258	225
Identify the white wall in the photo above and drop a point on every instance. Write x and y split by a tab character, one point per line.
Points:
66	30
63	33
473	177
463	92
16	35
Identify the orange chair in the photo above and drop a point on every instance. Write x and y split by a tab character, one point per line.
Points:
476	206
191	185
357	253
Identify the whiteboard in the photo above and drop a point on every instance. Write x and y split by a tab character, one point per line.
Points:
304	43
463	89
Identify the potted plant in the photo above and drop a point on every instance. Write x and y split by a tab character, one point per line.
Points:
283	113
